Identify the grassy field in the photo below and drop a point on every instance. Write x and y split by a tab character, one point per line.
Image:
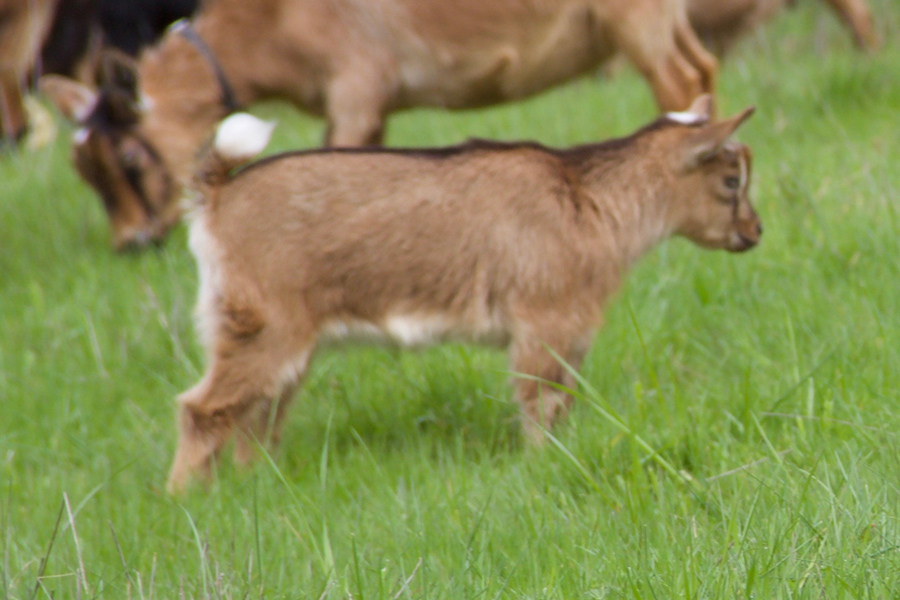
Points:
737	434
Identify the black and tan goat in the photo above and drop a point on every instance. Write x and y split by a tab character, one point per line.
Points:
516	245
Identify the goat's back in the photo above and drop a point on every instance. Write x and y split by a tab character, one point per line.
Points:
358	230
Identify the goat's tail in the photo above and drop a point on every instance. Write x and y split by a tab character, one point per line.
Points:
238	139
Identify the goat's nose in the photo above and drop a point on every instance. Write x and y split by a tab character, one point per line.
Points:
133	240
759	229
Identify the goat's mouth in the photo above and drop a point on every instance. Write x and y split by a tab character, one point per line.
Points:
150	233
741	243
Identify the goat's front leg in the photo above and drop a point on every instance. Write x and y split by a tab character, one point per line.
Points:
262	426
666	50
691	48
236	390
541	402
208	414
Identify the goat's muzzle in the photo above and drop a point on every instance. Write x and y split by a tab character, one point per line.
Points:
746	236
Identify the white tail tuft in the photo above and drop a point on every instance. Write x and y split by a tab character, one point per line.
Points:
242	136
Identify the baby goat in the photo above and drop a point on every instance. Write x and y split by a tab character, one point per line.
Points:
510	244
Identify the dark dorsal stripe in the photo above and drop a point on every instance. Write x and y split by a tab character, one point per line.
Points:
183	28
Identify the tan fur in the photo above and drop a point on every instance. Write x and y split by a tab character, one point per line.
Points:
355	61
23	26
720	23
514	245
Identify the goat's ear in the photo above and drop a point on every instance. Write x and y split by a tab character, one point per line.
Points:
117	77
117	70
73	99
703	107
707	142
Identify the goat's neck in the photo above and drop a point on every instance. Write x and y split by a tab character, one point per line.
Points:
184	98
633	203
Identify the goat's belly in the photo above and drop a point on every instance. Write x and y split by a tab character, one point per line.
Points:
411	331
506	67
485	83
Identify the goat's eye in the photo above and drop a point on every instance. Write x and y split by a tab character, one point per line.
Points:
732	183
130	159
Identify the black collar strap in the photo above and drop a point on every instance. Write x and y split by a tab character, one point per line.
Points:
183	27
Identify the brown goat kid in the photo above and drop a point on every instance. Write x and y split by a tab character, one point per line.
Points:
353	62
515	245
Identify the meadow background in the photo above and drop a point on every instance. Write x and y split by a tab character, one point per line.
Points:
737	434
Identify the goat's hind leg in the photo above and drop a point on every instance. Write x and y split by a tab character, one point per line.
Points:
856	15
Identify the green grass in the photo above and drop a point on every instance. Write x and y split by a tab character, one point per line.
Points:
764	385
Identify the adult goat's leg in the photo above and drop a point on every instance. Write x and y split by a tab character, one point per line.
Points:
666	50
856	15
356	108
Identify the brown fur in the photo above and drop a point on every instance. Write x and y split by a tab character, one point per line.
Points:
23	25
355	61
515	245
